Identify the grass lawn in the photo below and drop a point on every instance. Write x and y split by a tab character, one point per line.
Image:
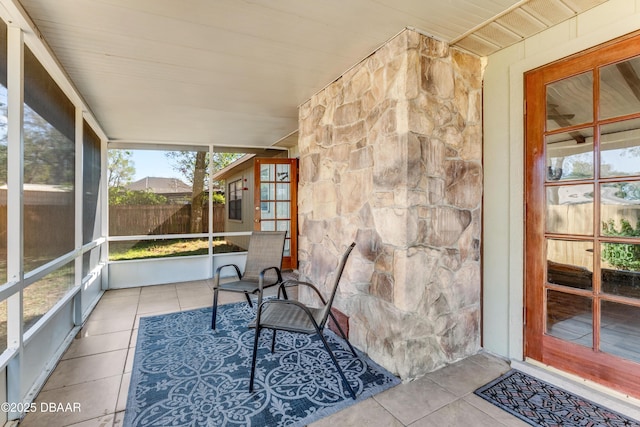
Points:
120	251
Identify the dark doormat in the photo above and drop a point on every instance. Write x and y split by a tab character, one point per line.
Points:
541	404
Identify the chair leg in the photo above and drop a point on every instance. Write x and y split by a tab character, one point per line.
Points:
253	358
246	295
344	336
215	309
273	341
335	362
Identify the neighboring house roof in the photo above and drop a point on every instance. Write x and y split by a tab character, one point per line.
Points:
160	185
232	168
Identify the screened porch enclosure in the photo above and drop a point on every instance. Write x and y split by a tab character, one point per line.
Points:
386	122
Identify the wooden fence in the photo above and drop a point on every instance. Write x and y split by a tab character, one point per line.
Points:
160	219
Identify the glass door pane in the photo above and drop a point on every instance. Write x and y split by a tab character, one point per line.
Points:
275	200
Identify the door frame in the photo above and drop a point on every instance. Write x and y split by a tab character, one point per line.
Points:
288	262
611	371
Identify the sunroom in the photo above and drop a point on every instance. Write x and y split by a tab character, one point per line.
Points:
482	156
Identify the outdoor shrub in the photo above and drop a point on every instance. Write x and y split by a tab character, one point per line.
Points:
624	256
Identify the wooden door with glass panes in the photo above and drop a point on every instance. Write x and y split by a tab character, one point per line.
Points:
275	207
582	222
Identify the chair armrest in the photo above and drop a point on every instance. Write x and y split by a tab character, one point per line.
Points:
293	282
216	277
262	274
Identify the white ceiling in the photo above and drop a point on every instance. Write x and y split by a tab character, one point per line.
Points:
233	72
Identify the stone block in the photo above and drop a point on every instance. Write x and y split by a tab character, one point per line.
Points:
347	114
466	283
309	167
357	85
419	122
368	243
325	200
469	67
435	190
361	159
383	199
313	230
437	77
434	48
412	269
443	226
463	184
355	190
433	153
351	133
450	135
382	286
391	224
472	145
390	163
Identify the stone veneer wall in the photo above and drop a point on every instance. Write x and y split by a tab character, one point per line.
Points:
390	157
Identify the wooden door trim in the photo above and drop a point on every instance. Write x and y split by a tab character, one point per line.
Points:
607	369
292	263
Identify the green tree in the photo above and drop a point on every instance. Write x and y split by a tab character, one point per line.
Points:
122	196
120	168
49	156
194	167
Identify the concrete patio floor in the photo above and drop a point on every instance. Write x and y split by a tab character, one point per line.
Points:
95	372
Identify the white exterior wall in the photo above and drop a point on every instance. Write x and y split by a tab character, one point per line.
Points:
503	252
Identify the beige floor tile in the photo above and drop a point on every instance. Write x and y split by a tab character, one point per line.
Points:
167	305
95	398
493	411
495	365
206	294
119	293
198	285
119	420
366	413
121	405
462	377
128	366
87	368
134	338
114	309
194	302
414	400
148	290
105	421
84	346
456	414
158	296
100	327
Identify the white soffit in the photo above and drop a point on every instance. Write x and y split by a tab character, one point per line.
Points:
233	73
522	20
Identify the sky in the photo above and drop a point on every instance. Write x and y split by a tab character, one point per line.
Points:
153	163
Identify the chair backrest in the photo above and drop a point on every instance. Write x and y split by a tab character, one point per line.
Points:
265	250
339	270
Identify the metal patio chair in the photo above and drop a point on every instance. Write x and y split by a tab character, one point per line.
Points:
293	316
262	269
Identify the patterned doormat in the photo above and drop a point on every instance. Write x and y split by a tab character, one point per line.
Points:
185	374
542	404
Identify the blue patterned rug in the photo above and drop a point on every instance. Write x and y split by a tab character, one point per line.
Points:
541	404
184	374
